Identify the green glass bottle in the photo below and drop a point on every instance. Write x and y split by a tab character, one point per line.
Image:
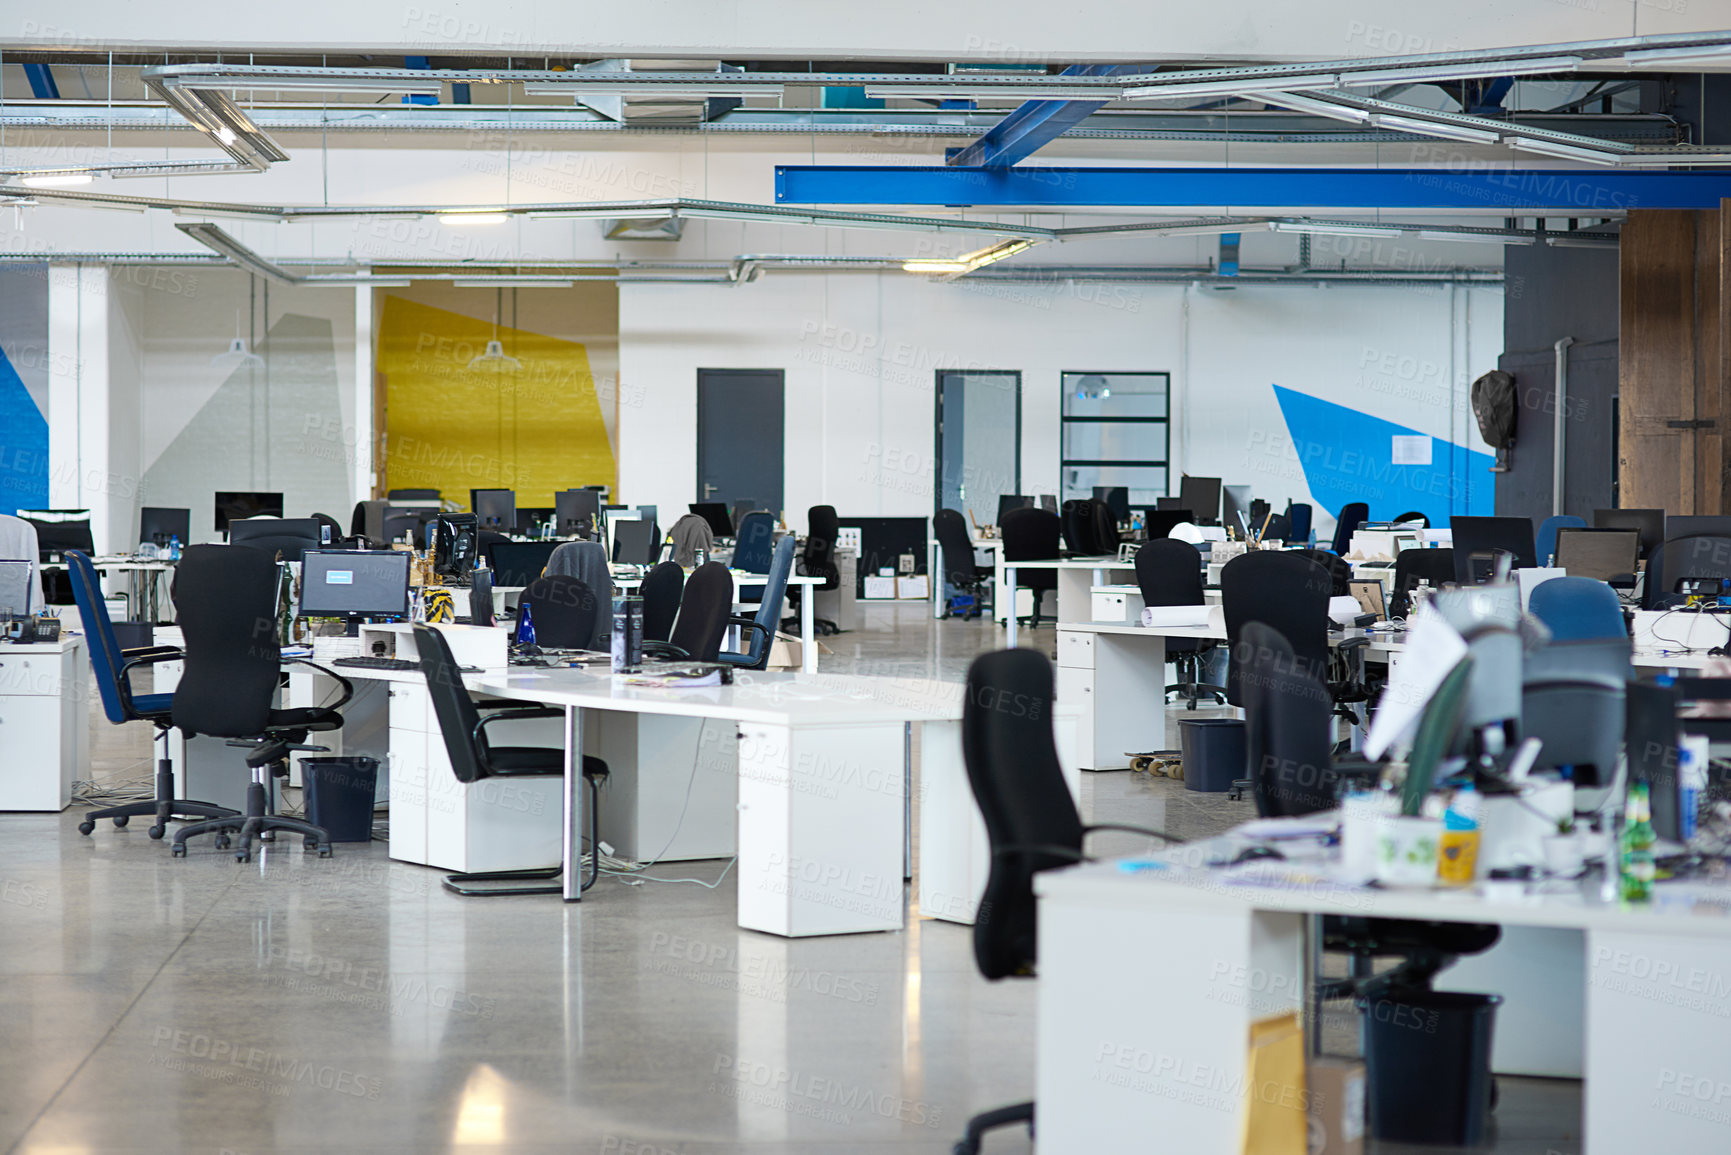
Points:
1636	864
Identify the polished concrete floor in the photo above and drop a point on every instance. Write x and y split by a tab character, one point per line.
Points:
350	1004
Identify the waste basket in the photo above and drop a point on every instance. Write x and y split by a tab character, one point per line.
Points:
339	796
1213	751
1427	1058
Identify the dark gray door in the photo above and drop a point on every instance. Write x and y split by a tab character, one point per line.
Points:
739	436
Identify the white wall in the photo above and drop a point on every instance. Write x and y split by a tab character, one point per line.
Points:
861	353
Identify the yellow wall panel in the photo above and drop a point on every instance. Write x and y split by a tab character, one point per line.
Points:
536	428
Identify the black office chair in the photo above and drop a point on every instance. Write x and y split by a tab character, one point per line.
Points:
1031	534
1031	823
704	610
956	550
1681	558
113	668
1352	515
817	560
1105	524
1078	527
1413	515
1411	566
565	611
1339	570
1298	519
474	758
225	597
1289	592
754	541
661	590
485	540
1170	574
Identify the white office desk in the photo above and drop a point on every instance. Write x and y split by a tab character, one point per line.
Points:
44	727
822	773
1169	1060
1077	576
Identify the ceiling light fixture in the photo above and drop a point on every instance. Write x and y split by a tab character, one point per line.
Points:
1698	56
1477	238
473	218
1330	229
54	179
1315	107
1562	151
967	262
1437	128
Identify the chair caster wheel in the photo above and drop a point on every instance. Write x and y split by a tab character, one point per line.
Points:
122	820
326	851
178	850
243	856
86	827
222	842
156	832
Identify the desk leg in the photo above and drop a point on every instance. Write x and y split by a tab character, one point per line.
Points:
575	819
935	567
1010	620
907	801
1658	1077
808	631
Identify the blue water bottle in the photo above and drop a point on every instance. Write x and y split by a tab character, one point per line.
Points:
174	548
525	626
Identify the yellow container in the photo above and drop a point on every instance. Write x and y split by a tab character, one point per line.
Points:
1457	857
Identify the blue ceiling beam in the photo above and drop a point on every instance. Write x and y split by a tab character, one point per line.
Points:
1030	127
42	85
1579	191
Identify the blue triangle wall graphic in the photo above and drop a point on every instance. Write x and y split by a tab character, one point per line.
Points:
1349	456
23	444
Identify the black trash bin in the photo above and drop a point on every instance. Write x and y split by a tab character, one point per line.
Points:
1213	752
339	796
1427	1059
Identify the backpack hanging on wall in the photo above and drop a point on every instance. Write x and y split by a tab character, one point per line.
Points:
1494	406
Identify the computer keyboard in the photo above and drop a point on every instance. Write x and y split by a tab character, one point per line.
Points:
369	662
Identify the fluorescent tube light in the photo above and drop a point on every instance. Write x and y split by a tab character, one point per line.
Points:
1477	238
934	267
1315	107
1695	56
1335	230
54	179
1438	128
490	217
1563	151
1466	70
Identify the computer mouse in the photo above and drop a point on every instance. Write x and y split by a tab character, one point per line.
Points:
1255	853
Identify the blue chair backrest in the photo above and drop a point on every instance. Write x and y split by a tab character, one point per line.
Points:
1546	543
753	544
769	609
1298	514
1578	609
105	657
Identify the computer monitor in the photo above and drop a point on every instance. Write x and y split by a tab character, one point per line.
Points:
1049	502
531	519
1598	553
494	509
1483	535
517	563
1158	523
635	542
1695	525
15	585
715	513
1650	522
1650	742
348	583
1201	496
454	544
577	513
236	505
159	526
649	513
1117	499
289	536
58	530
1235	500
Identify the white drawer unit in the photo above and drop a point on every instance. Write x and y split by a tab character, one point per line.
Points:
1117	682
44	723
1075	649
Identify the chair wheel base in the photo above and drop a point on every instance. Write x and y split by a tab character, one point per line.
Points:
86	827
178	850
122	820
157	831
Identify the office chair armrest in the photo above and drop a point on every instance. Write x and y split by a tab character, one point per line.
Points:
348	686
1161	834
514	714
751	624
1050	848
142	656
1352	643
156	652
665	650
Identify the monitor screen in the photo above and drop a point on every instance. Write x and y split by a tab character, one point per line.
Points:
1483	535
494	509
159	526
236	505
454	544
1235	500
577	512
1201	496
634	542
289	536
715	513
349	583
1117	499
517	563
1650	740
1049	502
1695	525
1651	523
58	530
1159	522
15	586
531	519
1598	553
